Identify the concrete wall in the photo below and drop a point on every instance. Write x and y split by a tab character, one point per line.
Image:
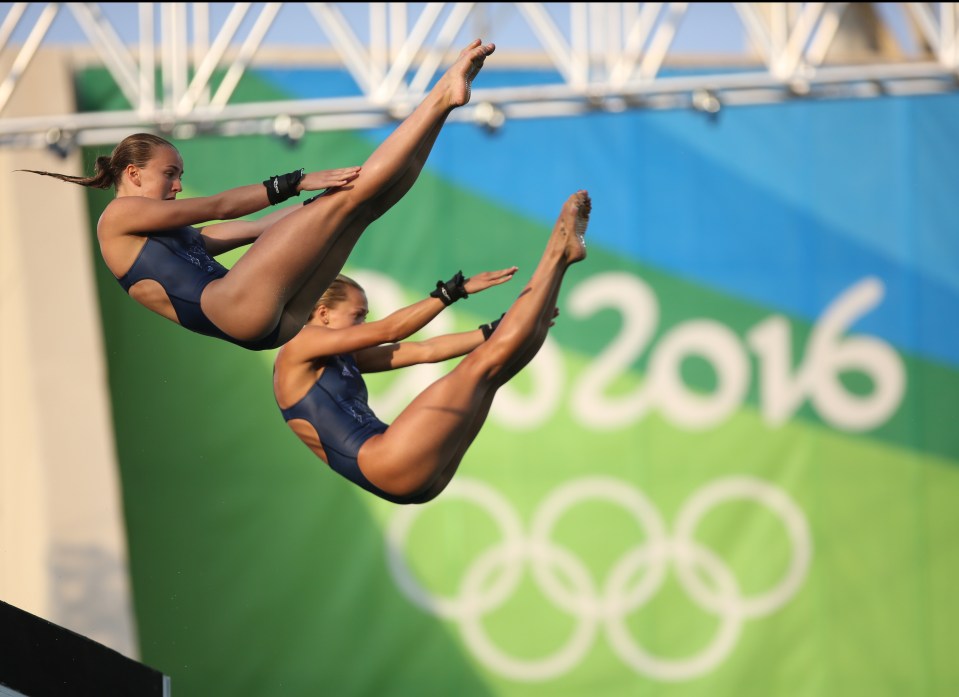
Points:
63	552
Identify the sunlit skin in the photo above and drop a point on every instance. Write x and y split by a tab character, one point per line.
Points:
350	312
418	454
294	252
161	177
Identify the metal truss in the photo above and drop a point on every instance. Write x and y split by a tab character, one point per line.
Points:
180	70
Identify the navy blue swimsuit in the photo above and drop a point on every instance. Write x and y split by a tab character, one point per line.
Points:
336	406
177	259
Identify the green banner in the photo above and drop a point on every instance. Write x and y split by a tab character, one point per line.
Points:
694	489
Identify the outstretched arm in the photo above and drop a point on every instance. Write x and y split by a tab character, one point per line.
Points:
315	341
140	214
224	237
434	350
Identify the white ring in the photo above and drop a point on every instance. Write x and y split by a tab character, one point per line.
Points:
574	591
530	669
776	501
459	607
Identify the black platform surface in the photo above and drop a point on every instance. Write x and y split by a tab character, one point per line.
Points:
41	659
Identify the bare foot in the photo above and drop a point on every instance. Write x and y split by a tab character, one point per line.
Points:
458	79
571	226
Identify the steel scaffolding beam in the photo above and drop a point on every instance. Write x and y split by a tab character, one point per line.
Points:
178	68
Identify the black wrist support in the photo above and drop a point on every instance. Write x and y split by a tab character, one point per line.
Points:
281	187
452	290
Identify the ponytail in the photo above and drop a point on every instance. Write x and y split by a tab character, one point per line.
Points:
136	149
102	177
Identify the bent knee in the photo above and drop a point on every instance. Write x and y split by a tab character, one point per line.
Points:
400	480
405	486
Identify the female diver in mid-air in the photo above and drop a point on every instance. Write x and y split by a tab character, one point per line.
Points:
319	388
148	241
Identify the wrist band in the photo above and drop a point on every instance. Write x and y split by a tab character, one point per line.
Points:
490	327
452	290
281	187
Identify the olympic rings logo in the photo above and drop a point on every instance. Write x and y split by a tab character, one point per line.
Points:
573	590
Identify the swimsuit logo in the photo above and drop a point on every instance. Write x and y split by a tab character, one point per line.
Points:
199	257
193	254
566	582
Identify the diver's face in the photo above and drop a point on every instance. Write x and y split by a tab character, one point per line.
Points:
349	312
161	177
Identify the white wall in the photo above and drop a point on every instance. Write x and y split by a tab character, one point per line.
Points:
63	553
